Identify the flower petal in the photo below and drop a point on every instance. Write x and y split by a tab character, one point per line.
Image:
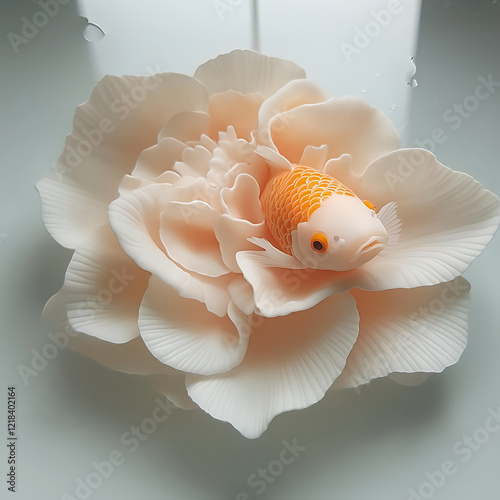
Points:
131	357
183	334
242	200
233	235
293	94
418	330
280	291
121	119
447	220
103	289
246	71
347	125
159	158
289	364
187	233
235	109
135	218
186	126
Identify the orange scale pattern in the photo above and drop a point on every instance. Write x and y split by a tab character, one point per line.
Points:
292	197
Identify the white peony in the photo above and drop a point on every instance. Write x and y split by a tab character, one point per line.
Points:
158	192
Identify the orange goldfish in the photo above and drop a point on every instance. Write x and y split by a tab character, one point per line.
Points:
318	222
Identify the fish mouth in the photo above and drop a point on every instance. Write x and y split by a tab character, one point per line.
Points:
373	245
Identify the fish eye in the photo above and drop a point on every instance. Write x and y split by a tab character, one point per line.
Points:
319	243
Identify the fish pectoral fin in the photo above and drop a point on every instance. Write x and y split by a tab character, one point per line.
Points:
388	216
272	257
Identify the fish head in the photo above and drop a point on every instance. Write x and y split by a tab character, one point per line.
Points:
342	234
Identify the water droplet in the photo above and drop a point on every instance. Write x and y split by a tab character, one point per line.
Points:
93	33
392	107
412	82
363	91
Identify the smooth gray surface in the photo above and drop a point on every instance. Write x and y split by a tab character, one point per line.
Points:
373	445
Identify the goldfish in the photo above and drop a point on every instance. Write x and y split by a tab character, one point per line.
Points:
318	222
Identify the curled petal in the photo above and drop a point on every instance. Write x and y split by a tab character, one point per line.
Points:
121	119
184	335
159	158
290	364
246	71
242	200
447	220
235	109
186	126
279	291
195	162
233	235
103	289
135	218
345	125
187	233
407	331
293	94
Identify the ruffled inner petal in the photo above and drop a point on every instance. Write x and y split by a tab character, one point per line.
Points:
242	200
232	235
186	126
135	218
235	109
187	233
159	158
290	363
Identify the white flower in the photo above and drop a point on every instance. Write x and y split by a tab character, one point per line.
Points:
158	192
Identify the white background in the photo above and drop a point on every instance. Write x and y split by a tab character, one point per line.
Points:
376	444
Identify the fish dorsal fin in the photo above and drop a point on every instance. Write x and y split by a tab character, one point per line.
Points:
277	163
388	216
272	257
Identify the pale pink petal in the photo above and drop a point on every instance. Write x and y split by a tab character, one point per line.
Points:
419	330
186	126
183	334
235	109
159	158
447	220
242	200
245	71
290	364
131	357
279	291
233	235
293	94
135	218
122	118
345	125
314	157
103	289
195	162
187	233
